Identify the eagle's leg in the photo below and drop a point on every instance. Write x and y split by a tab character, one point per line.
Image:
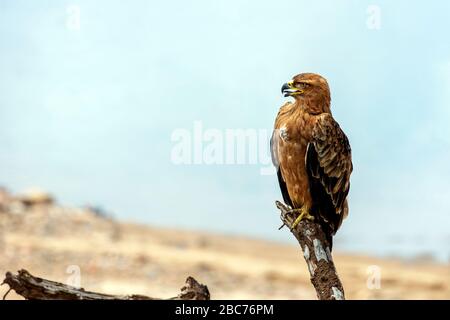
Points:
303	214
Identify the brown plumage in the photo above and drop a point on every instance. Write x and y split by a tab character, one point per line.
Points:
311	152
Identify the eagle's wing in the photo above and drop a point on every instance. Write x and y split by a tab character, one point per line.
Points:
329	164
274	144
274	141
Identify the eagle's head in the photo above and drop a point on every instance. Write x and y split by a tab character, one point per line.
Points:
311	89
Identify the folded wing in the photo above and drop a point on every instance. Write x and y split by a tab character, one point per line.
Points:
329	164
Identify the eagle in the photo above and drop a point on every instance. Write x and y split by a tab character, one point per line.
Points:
312	154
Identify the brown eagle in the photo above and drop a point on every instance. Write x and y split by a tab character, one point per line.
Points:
312	154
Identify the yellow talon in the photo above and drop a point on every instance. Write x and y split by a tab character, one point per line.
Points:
304	214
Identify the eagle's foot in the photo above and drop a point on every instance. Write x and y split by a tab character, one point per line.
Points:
303	214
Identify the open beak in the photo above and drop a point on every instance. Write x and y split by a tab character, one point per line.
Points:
288	89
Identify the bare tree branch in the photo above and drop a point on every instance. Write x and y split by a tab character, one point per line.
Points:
34	288
316	251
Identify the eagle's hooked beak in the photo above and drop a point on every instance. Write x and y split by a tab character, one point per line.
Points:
288	89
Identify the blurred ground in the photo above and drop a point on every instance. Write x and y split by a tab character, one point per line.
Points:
121	258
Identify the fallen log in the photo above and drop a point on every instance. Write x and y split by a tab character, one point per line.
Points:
35	288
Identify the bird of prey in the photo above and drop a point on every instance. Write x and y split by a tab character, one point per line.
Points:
312	154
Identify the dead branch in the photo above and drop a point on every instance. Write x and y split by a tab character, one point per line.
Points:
34	288
316	251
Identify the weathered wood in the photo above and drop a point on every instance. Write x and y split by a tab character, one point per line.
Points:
34	288
317	254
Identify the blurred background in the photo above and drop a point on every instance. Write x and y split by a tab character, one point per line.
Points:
94	95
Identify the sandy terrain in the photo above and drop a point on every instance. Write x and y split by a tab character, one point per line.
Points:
52	242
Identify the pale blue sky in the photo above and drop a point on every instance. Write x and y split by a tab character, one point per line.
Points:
88	114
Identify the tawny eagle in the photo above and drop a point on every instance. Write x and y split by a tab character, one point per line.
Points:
312	154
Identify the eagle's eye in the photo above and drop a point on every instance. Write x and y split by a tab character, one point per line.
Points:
301	85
